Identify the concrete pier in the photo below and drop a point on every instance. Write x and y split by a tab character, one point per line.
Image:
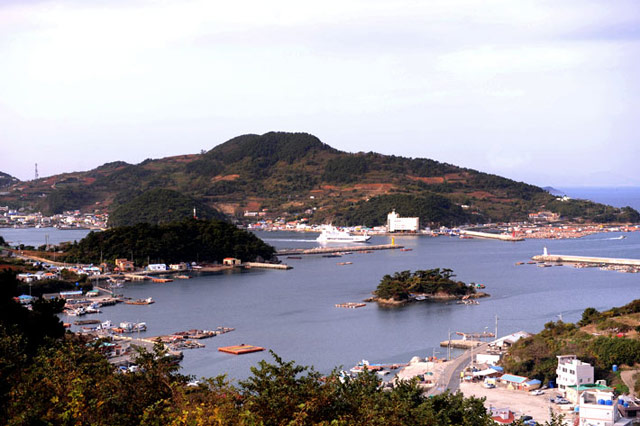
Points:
489	235
329	250
561	258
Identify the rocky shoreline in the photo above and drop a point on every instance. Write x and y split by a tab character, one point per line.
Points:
437	297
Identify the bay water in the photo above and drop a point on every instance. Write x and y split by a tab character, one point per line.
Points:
293	312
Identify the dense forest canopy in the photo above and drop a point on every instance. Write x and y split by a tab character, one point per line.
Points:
161	206
188	240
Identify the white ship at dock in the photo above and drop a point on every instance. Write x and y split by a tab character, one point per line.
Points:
331	234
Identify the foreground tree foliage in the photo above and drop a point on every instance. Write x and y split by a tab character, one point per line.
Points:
188	240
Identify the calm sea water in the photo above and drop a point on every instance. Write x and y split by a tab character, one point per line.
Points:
292	312
617	197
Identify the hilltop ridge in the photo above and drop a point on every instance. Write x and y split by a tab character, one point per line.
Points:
7	180
298	175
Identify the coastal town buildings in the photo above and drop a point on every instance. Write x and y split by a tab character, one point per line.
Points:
395	223
124	265
600	408
73	219
572	372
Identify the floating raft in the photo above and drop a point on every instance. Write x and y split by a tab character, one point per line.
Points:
351	305
240	349
86	322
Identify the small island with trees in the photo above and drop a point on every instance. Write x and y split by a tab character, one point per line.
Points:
423	285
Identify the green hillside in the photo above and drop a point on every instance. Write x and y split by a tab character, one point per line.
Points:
160	206
295	174
185	241
7	180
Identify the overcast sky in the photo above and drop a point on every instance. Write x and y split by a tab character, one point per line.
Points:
541	91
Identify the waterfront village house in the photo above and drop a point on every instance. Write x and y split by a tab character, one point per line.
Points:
600	408
573	392
572	372
508	341
76	294
396	223
513	382
178	266
502	416
157	267
545	216
231	261
629	408
488	358
124	265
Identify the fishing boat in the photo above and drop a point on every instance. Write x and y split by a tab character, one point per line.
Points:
93	308
132	327
77	312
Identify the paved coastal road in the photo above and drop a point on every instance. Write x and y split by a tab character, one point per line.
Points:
450	378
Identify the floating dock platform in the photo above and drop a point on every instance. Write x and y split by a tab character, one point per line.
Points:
489	235
351	305
561	258
328	250
266	265
240	349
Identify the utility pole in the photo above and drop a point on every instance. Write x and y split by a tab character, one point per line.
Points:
496	326
36	174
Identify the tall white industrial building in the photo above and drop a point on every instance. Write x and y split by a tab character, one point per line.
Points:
396	223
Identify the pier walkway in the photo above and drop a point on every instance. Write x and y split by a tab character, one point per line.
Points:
561	258
489	235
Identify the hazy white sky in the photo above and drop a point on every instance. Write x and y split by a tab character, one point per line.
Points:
541	91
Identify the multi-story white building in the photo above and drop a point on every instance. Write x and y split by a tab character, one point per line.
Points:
396	223
572	372
598	408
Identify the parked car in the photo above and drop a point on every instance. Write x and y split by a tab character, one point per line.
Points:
488	385
536	392
562	401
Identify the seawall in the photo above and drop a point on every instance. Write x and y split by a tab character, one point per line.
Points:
561	258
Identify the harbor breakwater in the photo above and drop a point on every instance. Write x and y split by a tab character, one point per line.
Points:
561	258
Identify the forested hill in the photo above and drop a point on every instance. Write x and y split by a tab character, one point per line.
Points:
161	206
7	180
297	175
185	241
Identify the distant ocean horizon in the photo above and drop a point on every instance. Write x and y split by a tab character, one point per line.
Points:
615	196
